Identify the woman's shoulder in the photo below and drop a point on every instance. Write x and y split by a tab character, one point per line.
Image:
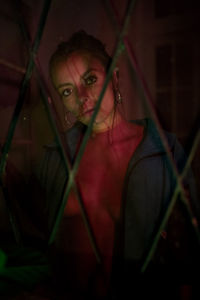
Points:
154	133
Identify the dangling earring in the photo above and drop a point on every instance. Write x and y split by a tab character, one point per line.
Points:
67	120
118	97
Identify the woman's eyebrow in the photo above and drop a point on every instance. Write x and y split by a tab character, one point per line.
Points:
89	71
63	84
82	76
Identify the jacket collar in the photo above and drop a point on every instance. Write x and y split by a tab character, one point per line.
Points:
151	143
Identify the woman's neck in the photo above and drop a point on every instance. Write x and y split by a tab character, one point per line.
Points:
114	119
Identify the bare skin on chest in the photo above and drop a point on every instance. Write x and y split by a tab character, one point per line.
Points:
79	77
100	179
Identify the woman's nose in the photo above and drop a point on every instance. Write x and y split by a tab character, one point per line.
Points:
83	95
83	99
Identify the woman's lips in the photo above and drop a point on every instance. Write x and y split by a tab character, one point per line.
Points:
88	112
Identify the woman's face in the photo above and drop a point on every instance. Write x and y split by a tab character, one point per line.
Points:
79	80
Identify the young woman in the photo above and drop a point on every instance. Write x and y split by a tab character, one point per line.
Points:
124	177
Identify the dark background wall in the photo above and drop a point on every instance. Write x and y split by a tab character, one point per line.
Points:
165	37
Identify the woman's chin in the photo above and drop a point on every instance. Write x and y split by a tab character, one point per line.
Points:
101	123
87	118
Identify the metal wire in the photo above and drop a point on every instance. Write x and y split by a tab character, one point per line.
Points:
23	88
122	41
179	177
45	97
66	161
17	110
12	66
171	205
73	172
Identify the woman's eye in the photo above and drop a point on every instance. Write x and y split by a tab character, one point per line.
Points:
90	80
66	92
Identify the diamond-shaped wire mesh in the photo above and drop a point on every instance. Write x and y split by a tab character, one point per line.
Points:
123	46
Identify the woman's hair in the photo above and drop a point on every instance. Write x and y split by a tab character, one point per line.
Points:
77	42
